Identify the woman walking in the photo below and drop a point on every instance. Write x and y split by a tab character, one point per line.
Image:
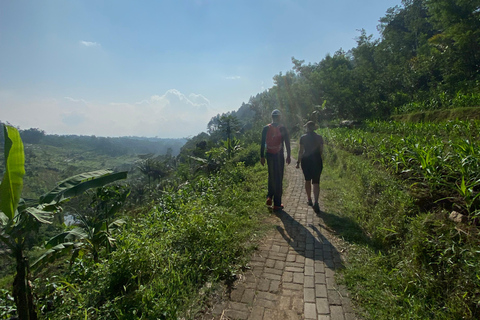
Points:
310	157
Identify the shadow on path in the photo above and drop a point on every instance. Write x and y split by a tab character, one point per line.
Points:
308	241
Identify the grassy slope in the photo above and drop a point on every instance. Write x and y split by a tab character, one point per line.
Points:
46	165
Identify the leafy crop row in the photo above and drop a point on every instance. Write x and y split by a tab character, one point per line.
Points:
442	160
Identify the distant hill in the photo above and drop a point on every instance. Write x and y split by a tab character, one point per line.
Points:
103	145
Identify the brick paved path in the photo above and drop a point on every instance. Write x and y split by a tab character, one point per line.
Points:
292	274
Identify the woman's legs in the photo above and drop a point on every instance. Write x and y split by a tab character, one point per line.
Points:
316	191
308	189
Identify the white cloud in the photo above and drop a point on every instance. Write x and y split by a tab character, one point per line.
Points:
90	44
171	115
233	77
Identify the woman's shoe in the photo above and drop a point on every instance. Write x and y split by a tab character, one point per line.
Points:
316	208
310	203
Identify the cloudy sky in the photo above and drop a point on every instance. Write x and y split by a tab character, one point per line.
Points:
158	67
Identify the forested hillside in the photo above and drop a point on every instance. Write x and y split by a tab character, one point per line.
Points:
158	244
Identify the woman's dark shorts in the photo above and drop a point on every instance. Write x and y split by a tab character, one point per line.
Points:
312	168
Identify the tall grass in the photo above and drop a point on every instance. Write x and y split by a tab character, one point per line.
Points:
169	256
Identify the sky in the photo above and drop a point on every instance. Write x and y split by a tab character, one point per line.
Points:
159	68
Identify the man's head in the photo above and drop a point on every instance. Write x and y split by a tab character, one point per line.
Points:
310	125
276	115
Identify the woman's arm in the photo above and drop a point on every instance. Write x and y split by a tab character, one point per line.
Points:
300	154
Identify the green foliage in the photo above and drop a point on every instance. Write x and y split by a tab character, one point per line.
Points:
441	161
20	218
407	260
167	258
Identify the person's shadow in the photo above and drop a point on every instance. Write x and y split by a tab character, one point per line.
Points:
311	243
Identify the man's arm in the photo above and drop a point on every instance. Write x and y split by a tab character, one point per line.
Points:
262	145
287	144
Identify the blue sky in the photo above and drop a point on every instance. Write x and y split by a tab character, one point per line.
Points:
158	68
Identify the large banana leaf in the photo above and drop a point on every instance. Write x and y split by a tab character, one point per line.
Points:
40	215
67	236
76	185
59	250
12	183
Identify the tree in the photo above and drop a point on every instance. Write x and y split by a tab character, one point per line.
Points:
32	135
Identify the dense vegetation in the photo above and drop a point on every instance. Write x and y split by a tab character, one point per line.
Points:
157	244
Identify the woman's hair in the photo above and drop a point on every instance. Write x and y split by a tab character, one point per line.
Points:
310	125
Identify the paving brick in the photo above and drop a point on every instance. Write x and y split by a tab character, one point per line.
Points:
298	277
248	296
238	306
309	282
300	259
285	303
334	298
292	286
263	285
320	278
266	303
310	312
336	313
256	313
322	306
235	314
272	314
267	296
319	266
295	265
274	286
331	283
291	257
270	263
287	276
321	291
309	271
279	265
309	295
294	269
283	249
236	294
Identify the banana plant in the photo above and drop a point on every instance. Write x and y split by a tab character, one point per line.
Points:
20	218
92	232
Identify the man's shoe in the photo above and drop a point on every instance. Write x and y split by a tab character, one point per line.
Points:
310	203
316	208
269	201
278	208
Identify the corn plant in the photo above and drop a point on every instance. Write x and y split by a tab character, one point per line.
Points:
436	156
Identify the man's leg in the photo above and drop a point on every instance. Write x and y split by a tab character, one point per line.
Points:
271	176
279	166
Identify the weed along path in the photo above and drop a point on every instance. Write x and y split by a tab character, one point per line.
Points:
292	274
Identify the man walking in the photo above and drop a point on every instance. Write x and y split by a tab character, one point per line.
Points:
274	136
